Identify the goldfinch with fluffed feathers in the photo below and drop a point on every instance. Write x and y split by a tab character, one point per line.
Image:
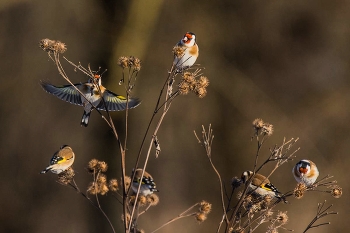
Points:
190	52
91	92
261	186
61	160
305	171
147	184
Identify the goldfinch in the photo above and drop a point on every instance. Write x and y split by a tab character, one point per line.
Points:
261	186
61	160
305	171
188	52
90	89
147	184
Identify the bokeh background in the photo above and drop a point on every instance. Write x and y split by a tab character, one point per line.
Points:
286	62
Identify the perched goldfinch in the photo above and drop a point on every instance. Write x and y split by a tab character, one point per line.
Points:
305	171
147	184
61	160
190	54
261	186
91	92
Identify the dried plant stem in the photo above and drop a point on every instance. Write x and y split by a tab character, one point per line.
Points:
320	214
182	215
208	138
165	110
98	206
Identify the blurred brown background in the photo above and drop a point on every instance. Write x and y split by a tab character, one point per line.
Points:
286	62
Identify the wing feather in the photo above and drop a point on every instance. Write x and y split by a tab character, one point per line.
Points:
66	93
116	102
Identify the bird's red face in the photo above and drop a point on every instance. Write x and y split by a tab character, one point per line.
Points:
188	38
303	170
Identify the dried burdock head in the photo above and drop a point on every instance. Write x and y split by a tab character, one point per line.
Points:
52	46
267	129
103	189
93	188
200	217
282	217
336	191
60	47
101	179
299	190
113	185
204	207
179	51
258	124
135	63
203	82
152	199
236	182
66	176
142	200
255	208
123	62
201	92
184	88
92	166
102	166
190	79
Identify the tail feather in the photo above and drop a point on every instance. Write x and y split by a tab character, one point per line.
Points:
85	119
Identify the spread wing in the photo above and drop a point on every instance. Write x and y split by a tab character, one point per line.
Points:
66	93
116	102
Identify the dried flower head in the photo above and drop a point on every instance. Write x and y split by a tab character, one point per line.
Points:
123	62
142	200
52	46
336	191
102	166
266	201
135	63
179	51
258	124
113	185
101	179
299	190
282	217
153	199
201	92
103	189
203	82
184	88
205	207
92	165
60	47
200	217
267	129
66	176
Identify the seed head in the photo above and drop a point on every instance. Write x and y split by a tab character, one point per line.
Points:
337	191
113	185
153	199
179	51
282	217
205	207
123	62
200	217
102	166
92	165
